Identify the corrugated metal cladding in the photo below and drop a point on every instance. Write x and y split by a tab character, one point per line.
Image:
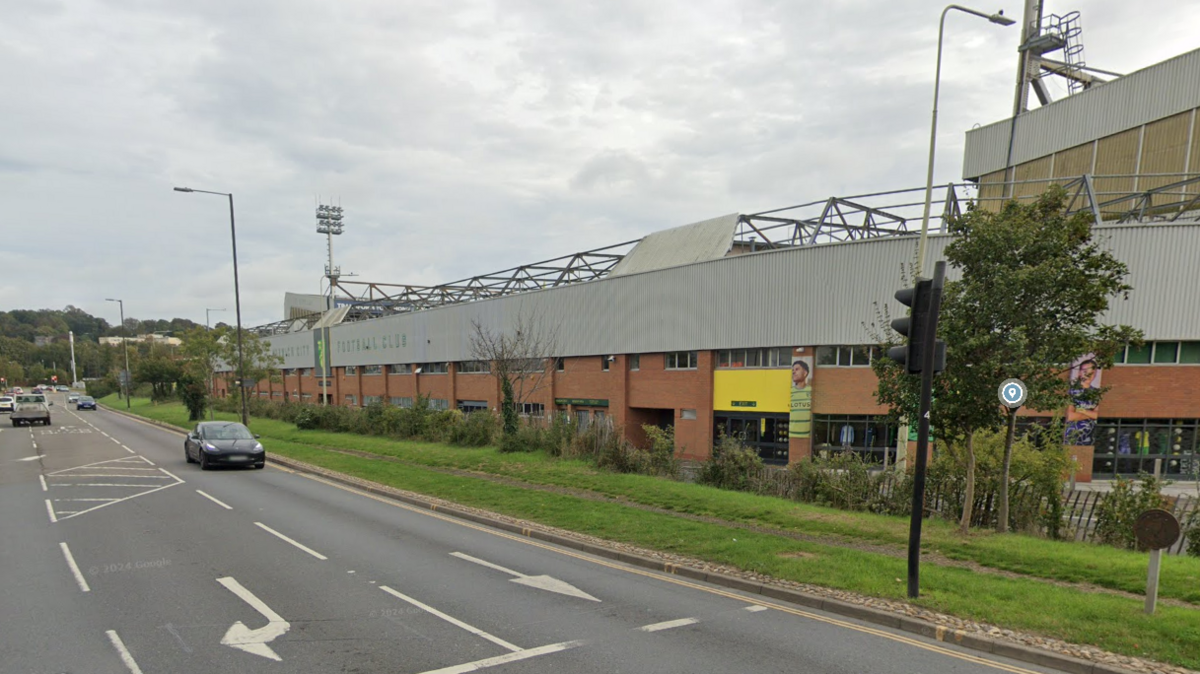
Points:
707	240
1161	90
814	295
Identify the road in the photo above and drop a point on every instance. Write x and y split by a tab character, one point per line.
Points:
119	557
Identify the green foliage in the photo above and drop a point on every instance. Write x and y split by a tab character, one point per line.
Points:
1119	509
1191	531
194	394
478	429
733	465
161	372
508	408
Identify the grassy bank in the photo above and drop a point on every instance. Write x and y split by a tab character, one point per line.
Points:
1028	602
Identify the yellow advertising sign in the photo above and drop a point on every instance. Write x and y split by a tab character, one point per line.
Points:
739	390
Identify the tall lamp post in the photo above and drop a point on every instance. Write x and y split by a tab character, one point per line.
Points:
997	18
329	223
237	300
125	343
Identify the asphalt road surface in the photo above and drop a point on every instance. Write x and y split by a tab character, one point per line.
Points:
116	556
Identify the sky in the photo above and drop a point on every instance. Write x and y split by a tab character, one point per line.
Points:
464	137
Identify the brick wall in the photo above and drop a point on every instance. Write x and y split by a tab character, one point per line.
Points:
845	390
1151	391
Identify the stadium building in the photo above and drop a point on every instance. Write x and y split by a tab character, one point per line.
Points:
759	325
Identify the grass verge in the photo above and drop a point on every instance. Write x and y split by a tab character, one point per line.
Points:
1028	603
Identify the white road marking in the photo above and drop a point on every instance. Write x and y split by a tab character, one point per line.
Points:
214	500
453	621
115	440
74	568
105	434
50	509
253	641
35	457
541	582
35	444
658	627
756	608
83	499
126	658
128	449
42	479
503	659
141	477
303	547
110	484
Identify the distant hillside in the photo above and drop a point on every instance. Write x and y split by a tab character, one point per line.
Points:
29	324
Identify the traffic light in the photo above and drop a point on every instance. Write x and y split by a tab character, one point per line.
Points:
914	327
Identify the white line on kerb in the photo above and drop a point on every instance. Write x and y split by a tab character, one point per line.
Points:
74	568
50	510
123	652
453	621
42	479
214	500
658	627
303	547
506	658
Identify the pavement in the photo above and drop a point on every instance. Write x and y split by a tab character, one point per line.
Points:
118	557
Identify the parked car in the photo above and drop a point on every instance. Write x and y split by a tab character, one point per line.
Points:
72	397
7	403
85	403
214	443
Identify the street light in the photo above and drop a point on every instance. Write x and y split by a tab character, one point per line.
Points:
237	299
126	380
997	18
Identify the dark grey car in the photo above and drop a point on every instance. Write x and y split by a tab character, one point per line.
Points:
224	443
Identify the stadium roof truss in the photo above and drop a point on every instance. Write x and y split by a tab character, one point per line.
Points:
837	219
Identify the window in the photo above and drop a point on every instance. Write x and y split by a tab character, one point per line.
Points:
306	396
560	364
604	360
306	372
372	369
372	400
435	368
869	436
681	360
1130	446
439	404
529	365
635	361
688	415
351	370
403	368
401	401
847	356
468	406
474	367
1166	352
774	357
351	400
582	418
533	409
1160	353
277	394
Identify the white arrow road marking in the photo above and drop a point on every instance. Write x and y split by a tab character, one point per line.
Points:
253	641
540	582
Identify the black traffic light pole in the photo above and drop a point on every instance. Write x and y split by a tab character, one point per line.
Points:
929	357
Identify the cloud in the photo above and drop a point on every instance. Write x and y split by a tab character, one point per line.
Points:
461	136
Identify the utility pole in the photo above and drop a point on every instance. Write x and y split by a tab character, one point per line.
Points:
127	379
74	375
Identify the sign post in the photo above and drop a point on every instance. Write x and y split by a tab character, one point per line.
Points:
1155	529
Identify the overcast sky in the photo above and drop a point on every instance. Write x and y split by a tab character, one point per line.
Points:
464	137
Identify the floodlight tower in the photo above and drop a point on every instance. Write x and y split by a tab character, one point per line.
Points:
329	223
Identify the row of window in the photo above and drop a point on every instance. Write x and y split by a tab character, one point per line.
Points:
1158	353
1161	353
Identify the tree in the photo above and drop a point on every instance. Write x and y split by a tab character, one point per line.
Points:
160	371
519	360
258	363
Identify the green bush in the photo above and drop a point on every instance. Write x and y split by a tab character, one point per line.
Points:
194	395
733	466
477	429
1119	509
1191	530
